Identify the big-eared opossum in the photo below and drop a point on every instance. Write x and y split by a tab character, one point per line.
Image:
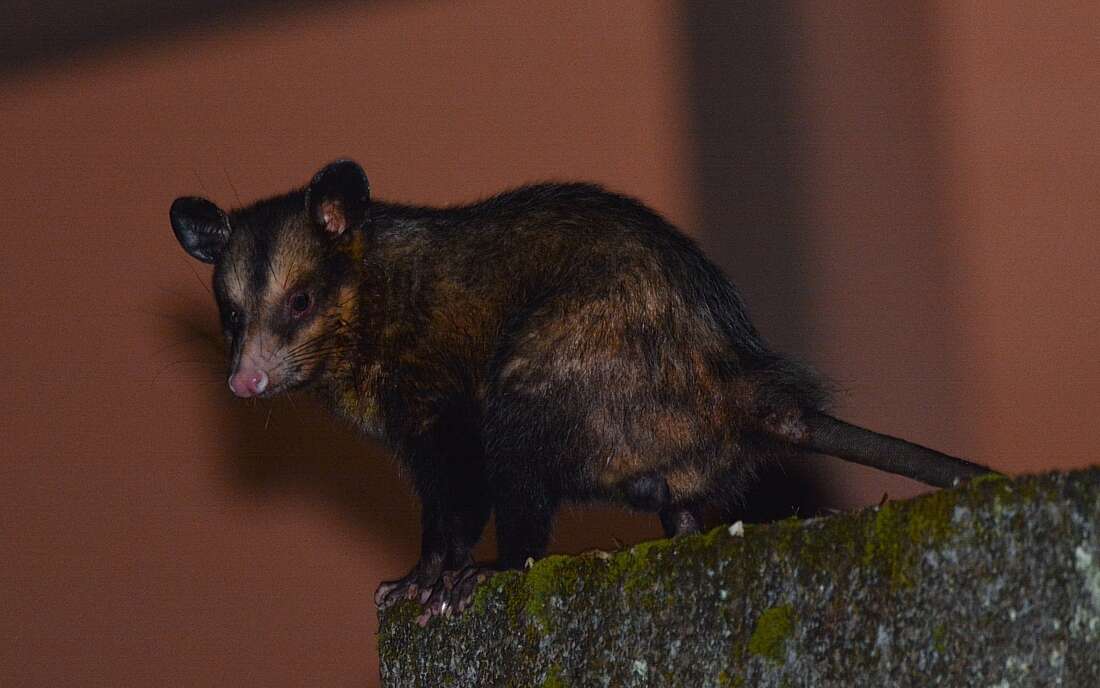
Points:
555	342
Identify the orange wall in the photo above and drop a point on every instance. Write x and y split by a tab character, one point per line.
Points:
1024	109
907	196
155	531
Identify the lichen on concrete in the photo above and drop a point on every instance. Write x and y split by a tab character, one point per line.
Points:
773	628
997	580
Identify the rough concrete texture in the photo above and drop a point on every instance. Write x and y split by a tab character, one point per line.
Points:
993	584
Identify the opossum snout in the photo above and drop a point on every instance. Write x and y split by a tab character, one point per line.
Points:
248	382
259	368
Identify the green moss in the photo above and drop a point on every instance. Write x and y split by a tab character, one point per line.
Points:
553	678
481	597
773	628
897	532
508	585
727	681
643	549
528	595
1007	491
988	478
788	539
400	620
641	565
636	570
939	638
546	578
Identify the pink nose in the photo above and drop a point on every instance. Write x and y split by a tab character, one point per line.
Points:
248	382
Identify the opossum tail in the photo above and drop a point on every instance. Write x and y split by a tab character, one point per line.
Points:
828	435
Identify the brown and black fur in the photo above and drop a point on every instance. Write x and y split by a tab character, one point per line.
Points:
554	343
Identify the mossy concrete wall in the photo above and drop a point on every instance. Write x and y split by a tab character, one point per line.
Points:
993	584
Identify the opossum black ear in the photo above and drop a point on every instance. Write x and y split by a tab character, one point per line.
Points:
201	227
338	197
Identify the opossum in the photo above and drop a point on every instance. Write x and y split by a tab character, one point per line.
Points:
556	342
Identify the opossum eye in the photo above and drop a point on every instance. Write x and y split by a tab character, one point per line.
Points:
299	303
234	316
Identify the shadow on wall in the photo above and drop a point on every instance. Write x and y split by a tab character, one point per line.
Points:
291	446
747	155
48	31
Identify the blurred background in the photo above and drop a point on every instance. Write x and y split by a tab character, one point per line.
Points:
906	193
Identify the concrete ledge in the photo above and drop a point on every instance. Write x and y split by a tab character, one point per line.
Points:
993	584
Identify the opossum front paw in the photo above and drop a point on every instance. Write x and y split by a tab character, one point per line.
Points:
391	592
453	593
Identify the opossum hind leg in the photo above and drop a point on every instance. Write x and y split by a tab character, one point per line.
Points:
650	492
682	519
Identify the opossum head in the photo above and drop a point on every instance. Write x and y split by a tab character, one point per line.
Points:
284	276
